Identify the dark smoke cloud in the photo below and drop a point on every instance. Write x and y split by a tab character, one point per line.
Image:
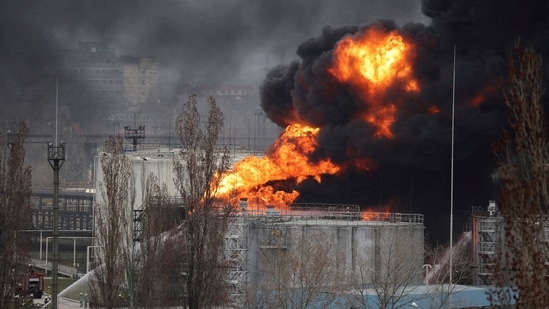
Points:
414	166
197	42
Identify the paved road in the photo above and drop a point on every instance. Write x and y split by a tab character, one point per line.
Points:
62	303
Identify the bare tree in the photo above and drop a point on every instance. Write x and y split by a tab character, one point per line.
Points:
520	273
138	252
196	169
112	225
305	270
160	248
389	270
437	272
15	214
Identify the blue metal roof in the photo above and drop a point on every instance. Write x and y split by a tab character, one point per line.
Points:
426	296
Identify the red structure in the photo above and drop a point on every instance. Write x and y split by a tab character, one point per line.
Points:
35	284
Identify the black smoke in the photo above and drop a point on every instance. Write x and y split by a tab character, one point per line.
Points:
196	42
413	169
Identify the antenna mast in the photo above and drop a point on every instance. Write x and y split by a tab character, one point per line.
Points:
452	182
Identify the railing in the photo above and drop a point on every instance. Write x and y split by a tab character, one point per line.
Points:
329	212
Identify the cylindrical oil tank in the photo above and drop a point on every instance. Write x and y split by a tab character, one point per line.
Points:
361	251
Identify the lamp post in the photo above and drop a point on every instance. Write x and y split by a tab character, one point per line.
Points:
56	158
451	263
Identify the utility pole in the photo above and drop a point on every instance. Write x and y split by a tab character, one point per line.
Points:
56	158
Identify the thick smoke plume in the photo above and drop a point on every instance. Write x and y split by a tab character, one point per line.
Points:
232	42
196	42
412	169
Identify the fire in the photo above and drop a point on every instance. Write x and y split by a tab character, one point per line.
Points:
373	215
487	92
287	160
373	61
434	110
383	119
477	100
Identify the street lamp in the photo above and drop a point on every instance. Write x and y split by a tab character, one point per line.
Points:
56	158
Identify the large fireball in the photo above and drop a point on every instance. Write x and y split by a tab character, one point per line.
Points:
372	63
288	159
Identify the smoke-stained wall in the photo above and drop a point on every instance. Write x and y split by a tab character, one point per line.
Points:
365	248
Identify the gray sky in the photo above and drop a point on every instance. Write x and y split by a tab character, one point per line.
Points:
214	41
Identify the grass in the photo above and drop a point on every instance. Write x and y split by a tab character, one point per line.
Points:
62	283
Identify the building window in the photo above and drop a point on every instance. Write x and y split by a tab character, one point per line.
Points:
142	82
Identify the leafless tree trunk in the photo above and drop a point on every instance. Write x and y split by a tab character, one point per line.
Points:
522	153
301	272
389	269
160	248
139	255
196	169
112	226
15	214
438	275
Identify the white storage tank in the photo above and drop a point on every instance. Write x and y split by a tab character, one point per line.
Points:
385	246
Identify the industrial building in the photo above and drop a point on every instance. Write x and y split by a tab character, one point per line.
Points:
126	81
96	80
487	238
360	243
365	245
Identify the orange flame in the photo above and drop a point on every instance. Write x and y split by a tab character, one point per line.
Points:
383	212
487	92
434	110
374	61
288	159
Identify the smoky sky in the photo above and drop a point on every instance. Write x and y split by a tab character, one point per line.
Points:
270	43
412	169
196	42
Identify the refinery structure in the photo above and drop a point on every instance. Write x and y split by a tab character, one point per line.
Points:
261	234
361	247
258	234
488	239
363	242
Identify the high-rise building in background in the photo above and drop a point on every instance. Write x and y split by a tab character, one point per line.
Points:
96	83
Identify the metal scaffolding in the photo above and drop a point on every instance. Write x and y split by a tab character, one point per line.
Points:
489	240
237	253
